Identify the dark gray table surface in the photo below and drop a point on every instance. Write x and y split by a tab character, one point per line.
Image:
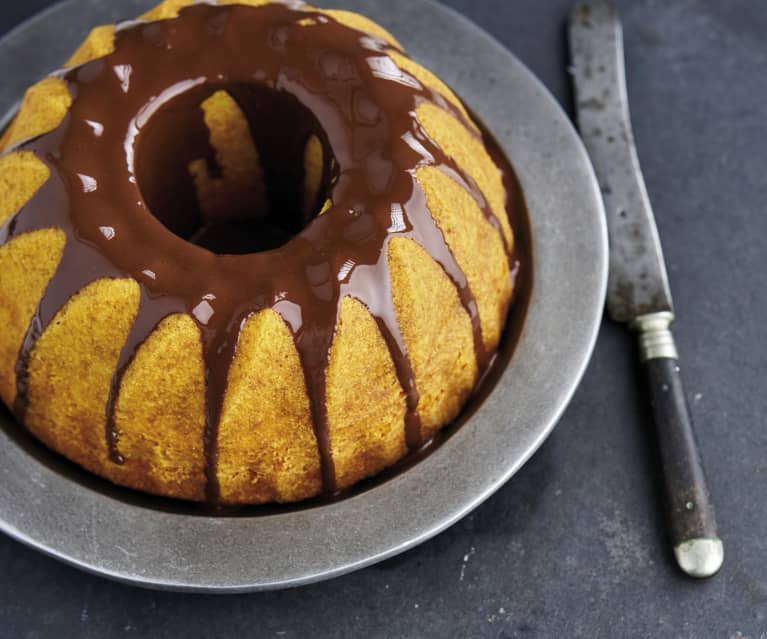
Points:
573	545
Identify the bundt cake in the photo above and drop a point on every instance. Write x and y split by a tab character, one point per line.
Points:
251	252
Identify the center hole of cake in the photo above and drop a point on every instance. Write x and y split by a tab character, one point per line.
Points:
235	169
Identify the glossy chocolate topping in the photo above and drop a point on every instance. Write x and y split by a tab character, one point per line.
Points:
135	124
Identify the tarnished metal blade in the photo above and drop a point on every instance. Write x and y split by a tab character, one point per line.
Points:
638	283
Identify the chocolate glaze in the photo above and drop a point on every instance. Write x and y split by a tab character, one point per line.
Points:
135	124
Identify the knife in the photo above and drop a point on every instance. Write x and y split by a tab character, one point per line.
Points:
638	291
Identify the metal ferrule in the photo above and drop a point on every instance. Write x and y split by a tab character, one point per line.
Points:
655	338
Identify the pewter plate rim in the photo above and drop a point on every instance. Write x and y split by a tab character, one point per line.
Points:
103	534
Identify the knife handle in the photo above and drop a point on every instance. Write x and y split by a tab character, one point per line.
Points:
690	510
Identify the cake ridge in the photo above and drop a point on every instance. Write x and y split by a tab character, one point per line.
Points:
143	326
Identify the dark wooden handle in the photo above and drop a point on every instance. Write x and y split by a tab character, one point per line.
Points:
690	509
694	532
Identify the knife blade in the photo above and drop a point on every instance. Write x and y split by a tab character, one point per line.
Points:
638	289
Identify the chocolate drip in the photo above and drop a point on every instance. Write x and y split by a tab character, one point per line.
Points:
313	341
385	316
218	353
406	378
123	150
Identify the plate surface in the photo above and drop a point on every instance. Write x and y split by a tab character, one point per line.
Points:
46	503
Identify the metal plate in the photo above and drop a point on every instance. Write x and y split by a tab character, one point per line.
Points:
47	503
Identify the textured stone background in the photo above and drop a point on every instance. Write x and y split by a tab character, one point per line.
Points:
574	545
